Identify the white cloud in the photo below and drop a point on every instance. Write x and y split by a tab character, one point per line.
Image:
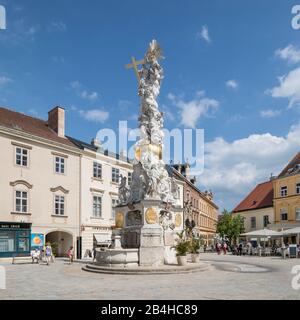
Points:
89	95
58	59
232	169
84	94
18	32
235	118
270	113
95	115
290	53
58	26
289	88
31	31
124	104
204	34
200	93
168	114
232	84
75	84
4	80
192	111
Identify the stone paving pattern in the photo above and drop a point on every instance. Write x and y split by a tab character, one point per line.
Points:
228	277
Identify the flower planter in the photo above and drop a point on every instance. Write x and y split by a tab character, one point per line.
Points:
182	260
195	257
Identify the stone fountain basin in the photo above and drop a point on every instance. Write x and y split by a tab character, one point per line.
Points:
117	257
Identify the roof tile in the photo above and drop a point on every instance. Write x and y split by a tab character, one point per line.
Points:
260	197
34	126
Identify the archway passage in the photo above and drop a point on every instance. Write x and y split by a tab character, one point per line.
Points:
60	241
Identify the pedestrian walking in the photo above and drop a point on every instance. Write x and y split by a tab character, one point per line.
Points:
94	254
240	249
218	248
71	255
48	253
224	247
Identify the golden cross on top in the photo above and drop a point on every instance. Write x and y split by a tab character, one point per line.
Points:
134	64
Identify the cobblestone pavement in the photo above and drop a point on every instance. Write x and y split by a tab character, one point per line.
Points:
228	277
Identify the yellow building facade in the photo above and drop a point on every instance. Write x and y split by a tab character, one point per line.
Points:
287	200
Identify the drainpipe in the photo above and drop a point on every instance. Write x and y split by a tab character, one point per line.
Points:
80	201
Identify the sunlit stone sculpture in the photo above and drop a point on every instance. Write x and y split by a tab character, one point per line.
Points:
150	178
149	213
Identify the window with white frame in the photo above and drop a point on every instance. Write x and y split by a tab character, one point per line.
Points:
97	206
21	201
59	206
114	203
22	157
283	191
298	188
129	178
283	215
115	173
253	222
298	214
266	221
97	170
60	165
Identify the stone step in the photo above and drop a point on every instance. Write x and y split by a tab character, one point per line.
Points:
24	259
147	270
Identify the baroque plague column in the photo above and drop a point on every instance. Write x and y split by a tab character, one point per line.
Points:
146	216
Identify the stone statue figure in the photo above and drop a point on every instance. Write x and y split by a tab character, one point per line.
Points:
123	190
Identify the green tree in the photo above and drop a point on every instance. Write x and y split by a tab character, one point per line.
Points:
230	226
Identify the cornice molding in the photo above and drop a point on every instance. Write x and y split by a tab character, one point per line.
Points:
59	188
17	144
25	135
96	190
23	182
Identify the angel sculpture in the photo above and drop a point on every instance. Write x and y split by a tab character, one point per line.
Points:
123	190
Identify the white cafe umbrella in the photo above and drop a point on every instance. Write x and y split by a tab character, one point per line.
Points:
262	233
291	231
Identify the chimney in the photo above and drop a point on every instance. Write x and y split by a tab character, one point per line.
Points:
187	169
179	168
96	143
56	121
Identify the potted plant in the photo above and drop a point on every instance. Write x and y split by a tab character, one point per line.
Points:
182	247
195	249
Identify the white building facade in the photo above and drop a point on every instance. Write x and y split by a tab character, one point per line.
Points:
100	175
39	184
55	188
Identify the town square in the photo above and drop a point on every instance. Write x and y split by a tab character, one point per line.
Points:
226	278
160	166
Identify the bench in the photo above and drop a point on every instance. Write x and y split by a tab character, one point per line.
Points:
24	259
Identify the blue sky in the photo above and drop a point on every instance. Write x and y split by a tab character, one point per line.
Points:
224	60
